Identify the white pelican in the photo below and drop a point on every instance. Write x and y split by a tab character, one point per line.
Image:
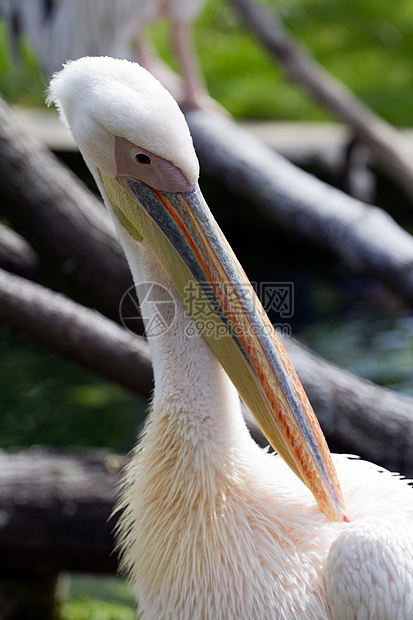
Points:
62	30
212	527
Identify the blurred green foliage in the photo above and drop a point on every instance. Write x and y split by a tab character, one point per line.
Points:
93	597
20	81
93	609
368	44
48	400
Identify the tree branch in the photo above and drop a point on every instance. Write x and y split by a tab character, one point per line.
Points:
390	149
55	511
365	237
63	222
16	255
365	419
62	326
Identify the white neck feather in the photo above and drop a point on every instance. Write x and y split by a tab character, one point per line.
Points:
191	386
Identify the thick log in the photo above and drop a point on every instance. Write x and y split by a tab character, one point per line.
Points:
363	236
16	255
62	326
56	511
63	222
357	416
390	149
55	516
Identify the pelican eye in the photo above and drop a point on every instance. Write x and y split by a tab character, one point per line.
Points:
141	158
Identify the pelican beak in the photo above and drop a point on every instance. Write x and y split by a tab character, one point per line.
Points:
180	229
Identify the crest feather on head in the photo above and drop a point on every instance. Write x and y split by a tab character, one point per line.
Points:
99	98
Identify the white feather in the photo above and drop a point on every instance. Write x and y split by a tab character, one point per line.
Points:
76	28
129	101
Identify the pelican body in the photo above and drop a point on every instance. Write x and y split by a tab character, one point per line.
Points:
62	30
211	526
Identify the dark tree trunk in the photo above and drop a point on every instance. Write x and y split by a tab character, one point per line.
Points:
56	511
65	224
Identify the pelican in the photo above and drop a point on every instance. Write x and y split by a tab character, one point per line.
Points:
211	526
62	30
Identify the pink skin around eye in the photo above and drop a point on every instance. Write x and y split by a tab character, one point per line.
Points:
157	172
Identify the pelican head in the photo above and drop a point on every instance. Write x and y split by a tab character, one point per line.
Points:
137	144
